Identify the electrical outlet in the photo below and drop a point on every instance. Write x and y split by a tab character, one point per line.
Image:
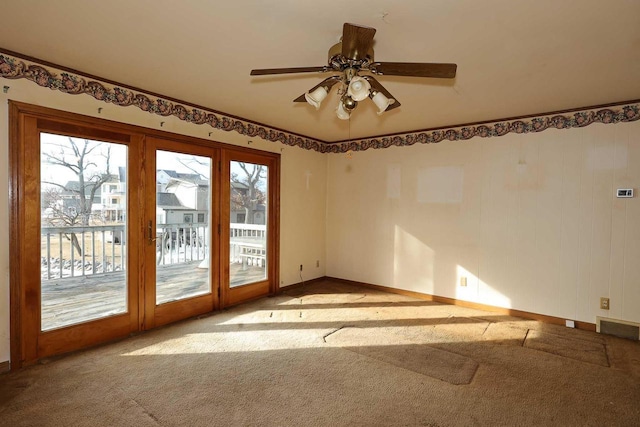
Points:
463	281
300	267
604	303
317	263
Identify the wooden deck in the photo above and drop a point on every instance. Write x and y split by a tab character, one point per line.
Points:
79	299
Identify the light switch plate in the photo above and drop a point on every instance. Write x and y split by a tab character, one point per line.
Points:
624	192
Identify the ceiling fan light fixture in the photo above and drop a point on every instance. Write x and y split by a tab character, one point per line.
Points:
316	97
342	112
352	55
358	88
381	101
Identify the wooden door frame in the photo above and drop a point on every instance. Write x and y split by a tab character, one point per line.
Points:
158	315
28	342
91	127
271	283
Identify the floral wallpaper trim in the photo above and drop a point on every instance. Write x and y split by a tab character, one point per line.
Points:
615	114
15	68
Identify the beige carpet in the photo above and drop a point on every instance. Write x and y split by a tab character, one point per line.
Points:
337	355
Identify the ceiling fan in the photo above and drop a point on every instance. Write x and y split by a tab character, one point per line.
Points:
350	57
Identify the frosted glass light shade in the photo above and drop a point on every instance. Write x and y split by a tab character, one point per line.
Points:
358	88
341	112
382	102
316	97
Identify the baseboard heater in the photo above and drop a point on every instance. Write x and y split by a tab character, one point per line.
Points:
618	328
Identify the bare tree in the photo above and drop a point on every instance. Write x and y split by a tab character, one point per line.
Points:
195	164
251	177
254	196
80	158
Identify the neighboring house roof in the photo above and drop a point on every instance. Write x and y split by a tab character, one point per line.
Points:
72	188
168	201
179	175
190	178
172	174
239	185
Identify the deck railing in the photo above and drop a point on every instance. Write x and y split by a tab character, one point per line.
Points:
179	243
82	250
99	249
248	244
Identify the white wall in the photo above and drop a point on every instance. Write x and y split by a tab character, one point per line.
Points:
302	208
303	185
530	220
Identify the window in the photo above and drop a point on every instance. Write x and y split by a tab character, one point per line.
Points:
147	271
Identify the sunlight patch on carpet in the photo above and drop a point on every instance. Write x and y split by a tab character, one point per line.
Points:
577	349
420	358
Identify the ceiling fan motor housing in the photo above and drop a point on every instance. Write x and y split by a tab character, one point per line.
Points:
336	58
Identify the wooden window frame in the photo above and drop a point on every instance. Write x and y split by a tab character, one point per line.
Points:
76	125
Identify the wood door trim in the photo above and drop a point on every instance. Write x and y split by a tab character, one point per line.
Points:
271	285
223	230
105	125
182	309
16	221
31	282
157	315
24	350
274	224
248	292
81	131
84	335
28	342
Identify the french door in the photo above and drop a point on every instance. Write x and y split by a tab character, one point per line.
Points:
118	229
249	224
181	248
74	280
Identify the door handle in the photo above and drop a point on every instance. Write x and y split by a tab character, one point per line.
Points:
150	232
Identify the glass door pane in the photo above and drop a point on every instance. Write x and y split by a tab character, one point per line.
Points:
248	223
83	190
183	201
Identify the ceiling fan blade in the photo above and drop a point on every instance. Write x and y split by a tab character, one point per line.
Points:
328	83
375	85
267	71
414	69
357	41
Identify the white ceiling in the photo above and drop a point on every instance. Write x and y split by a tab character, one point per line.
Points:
515	57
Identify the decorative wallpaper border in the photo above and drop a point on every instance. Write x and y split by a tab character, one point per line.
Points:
615	114
15	68
12	67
